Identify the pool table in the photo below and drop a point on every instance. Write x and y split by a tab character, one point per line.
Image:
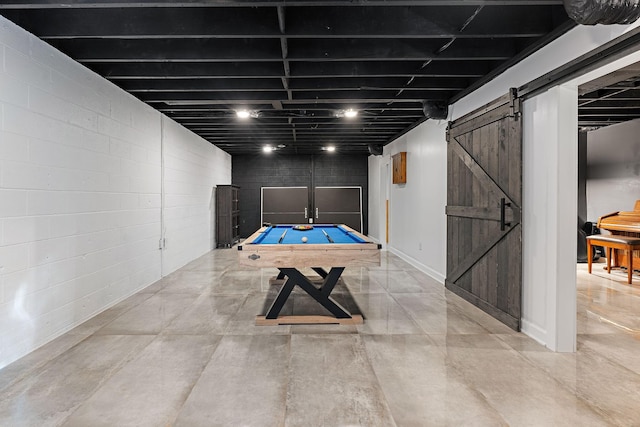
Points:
327	245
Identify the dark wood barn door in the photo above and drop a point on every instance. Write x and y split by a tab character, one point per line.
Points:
484	198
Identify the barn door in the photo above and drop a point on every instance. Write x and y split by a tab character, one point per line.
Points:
484	196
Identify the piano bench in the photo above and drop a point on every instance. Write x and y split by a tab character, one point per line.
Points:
609	242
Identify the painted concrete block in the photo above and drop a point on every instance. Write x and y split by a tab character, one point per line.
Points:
80	92
14	147
13	258
52	106
26	229
14	203
13	91
21	67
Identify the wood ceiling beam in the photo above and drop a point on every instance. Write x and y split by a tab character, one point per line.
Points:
318	116
381	108
105	4
252	70
295	85
268	50
328	97
296	61
303	23
261	50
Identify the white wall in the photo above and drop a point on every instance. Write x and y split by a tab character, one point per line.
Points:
192	169
377	166
417	222
575	43
80	193
549	297
613	169
549	217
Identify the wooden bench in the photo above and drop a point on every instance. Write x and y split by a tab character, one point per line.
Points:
609	242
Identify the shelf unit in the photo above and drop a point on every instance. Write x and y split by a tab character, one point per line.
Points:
227	215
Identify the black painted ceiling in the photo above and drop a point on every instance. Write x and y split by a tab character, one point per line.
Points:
610	99
296	65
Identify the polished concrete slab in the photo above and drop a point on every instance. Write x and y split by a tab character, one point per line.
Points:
152	387
331	377
244	383
186	352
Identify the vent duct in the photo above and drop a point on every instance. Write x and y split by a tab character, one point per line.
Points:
375	150
435	110
592	12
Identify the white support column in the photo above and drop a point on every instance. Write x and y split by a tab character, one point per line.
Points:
550	217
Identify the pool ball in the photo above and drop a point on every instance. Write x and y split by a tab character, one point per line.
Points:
304	239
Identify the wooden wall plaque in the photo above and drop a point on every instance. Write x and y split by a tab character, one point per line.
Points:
400	168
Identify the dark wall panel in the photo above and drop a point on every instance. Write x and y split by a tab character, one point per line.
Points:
251	172
347	171
582	178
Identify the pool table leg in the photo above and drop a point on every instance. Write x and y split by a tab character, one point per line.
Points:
282	297
322	294
321	271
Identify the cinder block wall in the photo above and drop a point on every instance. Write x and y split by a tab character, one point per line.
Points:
192	167
81	193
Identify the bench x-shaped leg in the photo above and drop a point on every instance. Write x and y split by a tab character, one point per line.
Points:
322	294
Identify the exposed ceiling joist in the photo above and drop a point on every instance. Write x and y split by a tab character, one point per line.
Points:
297	65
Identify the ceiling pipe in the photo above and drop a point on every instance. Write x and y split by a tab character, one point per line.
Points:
435	110
592	12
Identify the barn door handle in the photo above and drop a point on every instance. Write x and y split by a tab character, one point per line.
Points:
306	213
503	205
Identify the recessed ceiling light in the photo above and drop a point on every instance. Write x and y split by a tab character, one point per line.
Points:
331	148
350	113
244	114
267	148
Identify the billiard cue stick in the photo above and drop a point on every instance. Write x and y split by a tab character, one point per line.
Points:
283	234
328	237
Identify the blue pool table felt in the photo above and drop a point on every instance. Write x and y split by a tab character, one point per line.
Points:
315	236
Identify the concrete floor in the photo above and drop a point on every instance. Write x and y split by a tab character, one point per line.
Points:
186	352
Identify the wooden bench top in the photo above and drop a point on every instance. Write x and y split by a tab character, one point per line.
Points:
623	240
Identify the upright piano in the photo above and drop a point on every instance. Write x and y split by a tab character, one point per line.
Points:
626	224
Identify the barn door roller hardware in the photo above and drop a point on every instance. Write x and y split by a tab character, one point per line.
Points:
514	103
